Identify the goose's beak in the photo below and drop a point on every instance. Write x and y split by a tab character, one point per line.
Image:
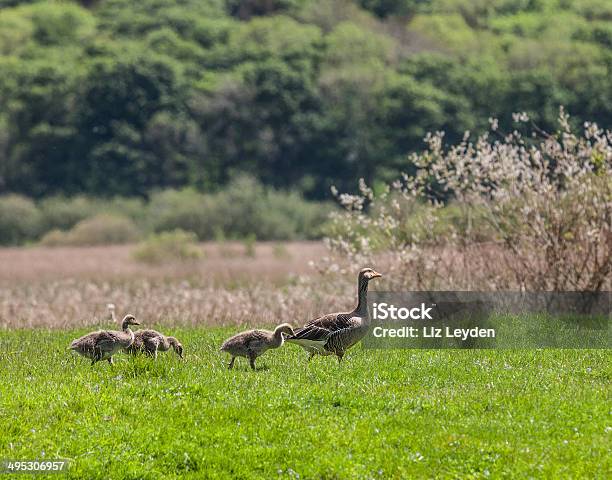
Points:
135	323
376	274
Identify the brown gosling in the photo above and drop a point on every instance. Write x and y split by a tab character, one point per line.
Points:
151	341
102	345
254	343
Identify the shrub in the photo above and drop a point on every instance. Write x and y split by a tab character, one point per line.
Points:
547	201
64	213
102	229
446	222
133	208
180	209
247	208
19	220
176	245
249	245
244	208
54	238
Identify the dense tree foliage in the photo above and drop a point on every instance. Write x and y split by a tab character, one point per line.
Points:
115	97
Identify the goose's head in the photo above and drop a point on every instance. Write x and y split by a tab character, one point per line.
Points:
176	345
367	274
128	320
284	328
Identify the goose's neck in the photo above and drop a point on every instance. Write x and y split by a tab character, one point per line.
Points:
126	329
176	346
362	298
277	338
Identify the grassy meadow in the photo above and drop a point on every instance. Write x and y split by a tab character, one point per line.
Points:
379	414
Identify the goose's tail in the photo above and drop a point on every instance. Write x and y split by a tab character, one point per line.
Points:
309	338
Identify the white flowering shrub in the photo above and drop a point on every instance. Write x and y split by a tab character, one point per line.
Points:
543	201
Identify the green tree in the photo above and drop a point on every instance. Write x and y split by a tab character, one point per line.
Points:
120	97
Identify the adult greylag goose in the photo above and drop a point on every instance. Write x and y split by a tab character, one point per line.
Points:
254	343
152	341
335	333
104	344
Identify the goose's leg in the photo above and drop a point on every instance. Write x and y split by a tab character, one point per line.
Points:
311	356
151	348
340	355
148	348
110	360
97	356
231	363
252	358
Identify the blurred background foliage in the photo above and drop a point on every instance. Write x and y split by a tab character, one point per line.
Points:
243	209
115	98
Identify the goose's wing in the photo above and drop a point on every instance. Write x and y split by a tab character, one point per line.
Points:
344	338
107	339
331	323
86	341
148	339
151	343
147	334
249	340
256	340
316	332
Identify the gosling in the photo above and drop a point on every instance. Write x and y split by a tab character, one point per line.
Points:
254	343
104	344
151	341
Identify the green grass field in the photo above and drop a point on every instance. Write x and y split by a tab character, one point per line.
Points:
381	414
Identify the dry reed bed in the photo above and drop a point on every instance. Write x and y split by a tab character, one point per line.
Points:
222	263
65	304
70	287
